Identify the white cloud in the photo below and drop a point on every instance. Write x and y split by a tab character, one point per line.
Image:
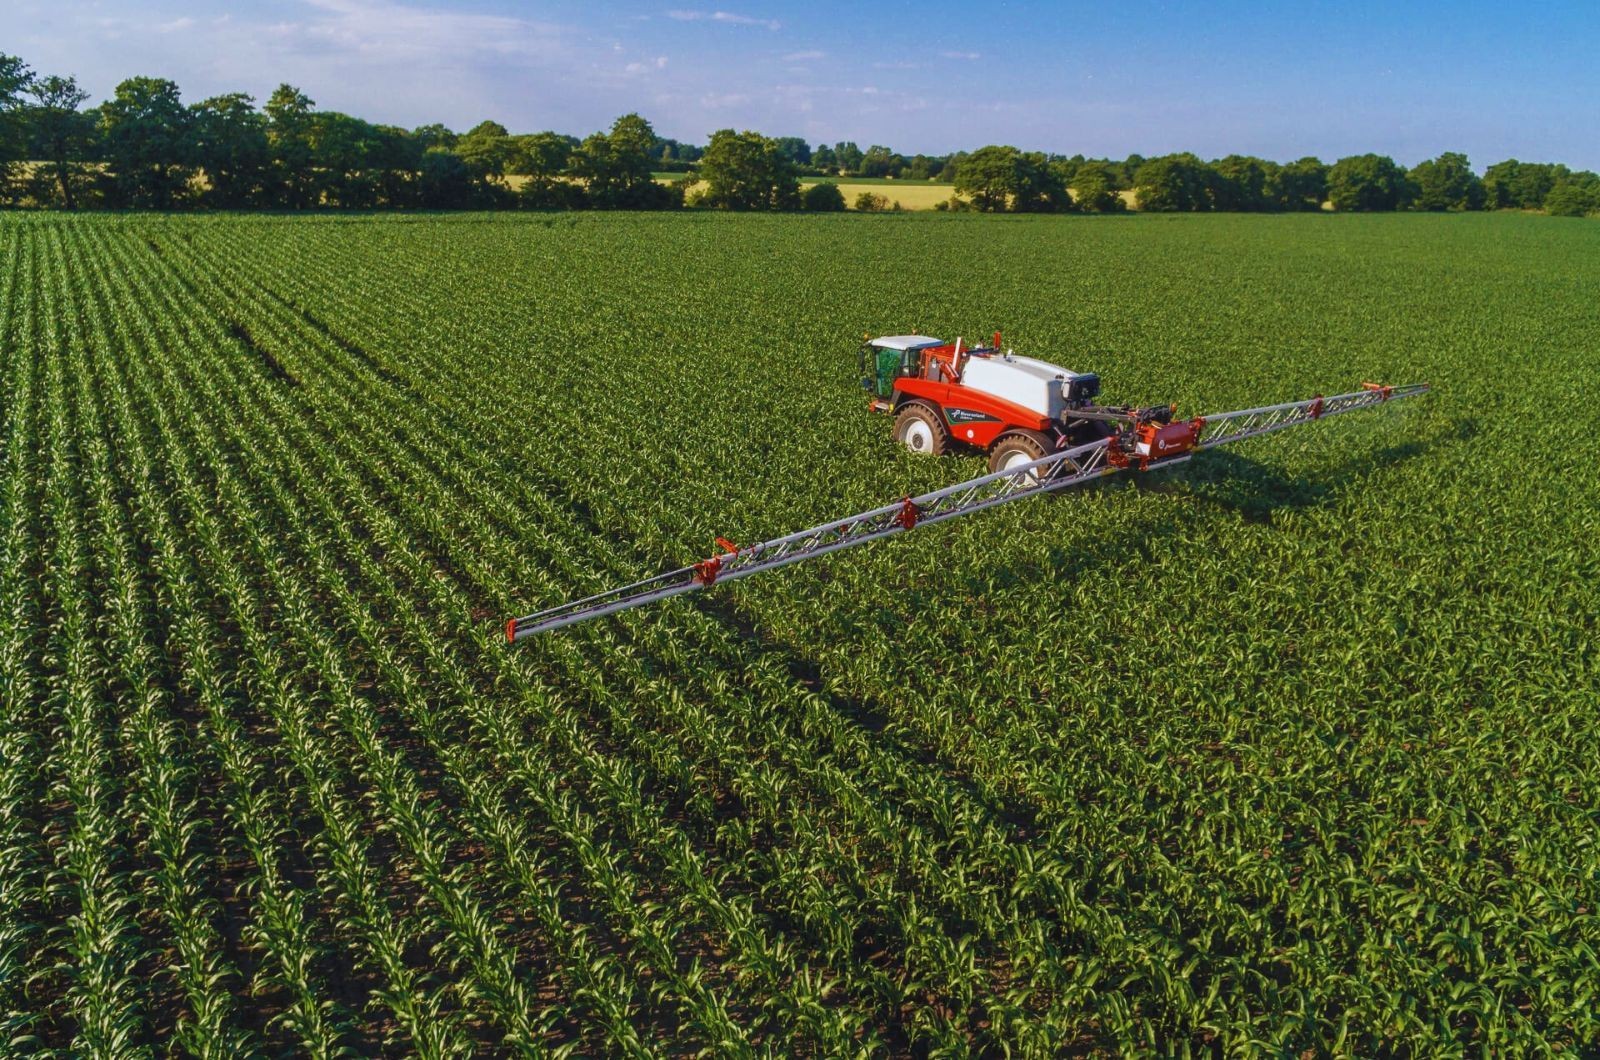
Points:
411	62
960	55
382	29
404	62
727	17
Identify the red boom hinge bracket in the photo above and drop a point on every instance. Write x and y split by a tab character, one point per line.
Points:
1116	456
511	631
1316	407
908	514
706	571
1383	391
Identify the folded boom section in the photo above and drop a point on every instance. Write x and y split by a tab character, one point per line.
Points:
1056	471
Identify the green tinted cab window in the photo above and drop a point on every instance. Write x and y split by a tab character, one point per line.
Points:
888	370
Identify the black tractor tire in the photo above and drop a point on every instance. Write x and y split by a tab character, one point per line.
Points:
1012	444
919	427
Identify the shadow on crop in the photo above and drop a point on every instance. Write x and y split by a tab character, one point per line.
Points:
1220	480
1224	480
868	713
1255	491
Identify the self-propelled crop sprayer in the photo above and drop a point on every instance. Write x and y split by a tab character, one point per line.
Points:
1038	422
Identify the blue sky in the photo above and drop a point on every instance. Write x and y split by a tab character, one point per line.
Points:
1410	80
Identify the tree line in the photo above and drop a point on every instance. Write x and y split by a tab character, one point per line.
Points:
1001	178
144	148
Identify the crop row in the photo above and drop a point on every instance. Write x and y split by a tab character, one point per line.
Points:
1294	750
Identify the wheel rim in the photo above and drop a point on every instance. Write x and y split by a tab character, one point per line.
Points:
917	436
1016	458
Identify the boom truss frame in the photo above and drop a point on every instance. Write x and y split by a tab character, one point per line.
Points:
1056	471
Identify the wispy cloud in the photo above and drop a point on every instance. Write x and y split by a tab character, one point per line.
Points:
398	61
727	17
722	100
388	30
412	62
960	55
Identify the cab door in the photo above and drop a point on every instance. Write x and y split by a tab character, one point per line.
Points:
881	366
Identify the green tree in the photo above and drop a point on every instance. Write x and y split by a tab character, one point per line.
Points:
748	171
15	80
145	129
1178	182
848	156
228	137
795	149
435	135
1093	189
879	162
921	167
486	149
1126	170
616	167
1368	182
988	176
1038	185
822	198
396	157
1518	185
1446	183
290	128
674	155
542	158
824	159
1239	184
443	180
61	135
1299	185
1574	195
344	150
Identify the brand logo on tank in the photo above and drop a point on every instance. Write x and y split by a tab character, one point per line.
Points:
969	416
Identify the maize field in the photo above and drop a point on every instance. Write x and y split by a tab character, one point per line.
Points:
1293	750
